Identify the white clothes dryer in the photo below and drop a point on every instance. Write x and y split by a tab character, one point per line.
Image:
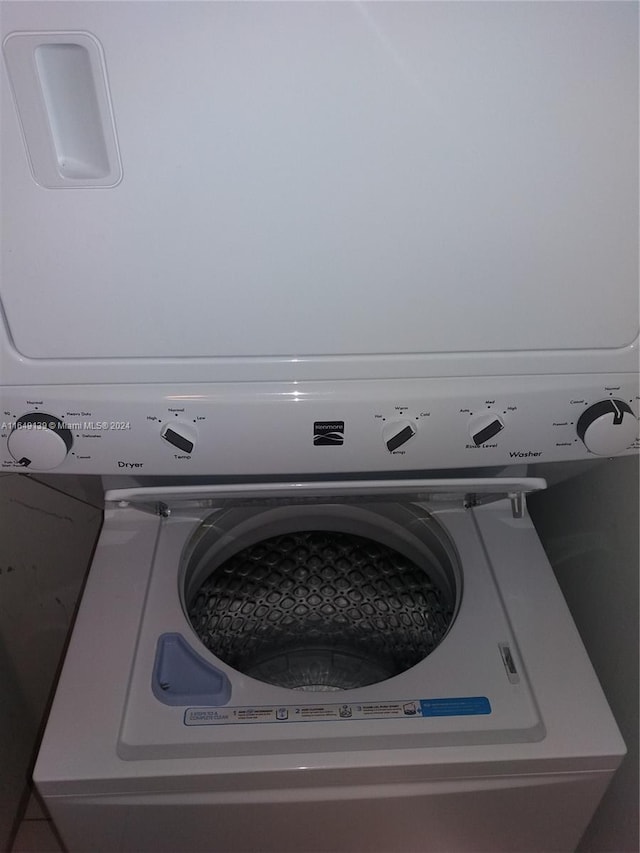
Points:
390	666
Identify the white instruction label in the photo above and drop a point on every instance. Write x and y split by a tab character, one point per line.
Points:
405	709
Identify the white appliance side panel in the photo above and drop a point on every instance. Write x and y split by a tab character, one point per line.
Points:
461	816
330	179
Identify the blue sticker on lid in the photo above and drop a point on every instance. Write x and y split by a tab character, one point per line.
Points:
455	707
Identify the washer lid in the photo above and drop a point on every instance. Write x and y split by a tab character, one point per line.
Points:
469	492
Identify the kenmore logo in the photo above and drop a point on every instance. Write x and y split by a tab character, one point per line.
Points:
328	432
520	455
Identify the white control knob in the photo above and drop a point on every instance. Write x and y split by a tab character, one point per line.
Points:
39	441
397	433
180	435
484	427
607	427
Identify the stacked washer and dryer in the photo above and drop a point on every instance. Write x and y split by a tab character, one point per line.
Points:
311	286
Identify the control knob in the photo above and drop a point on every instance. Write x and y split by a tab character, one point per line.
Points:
180	435
484	427
397	433
607	427
39	441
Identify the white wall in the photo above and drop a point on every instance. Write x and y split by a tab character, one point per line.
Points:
589	527
16	744
47	538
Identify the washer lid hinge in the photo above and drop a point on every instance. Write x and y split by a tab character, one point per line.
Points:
517	504
152	507
517	501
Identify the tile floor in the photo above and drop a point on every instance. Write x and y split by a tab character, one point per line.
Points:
35	833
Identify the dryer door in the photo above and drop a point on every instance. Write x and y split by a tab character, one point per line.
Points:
320	183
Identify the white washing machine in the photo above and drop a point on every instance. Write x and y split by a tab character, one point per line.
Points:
311	284
325	666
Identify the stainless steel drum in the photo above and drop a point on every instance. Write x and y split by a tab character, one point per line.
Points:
320	607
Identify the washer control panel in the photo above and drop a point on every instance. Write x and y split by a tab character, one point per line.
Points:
258	429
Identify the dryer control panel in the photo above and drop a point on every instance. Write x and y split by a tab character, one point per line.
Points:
236	429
